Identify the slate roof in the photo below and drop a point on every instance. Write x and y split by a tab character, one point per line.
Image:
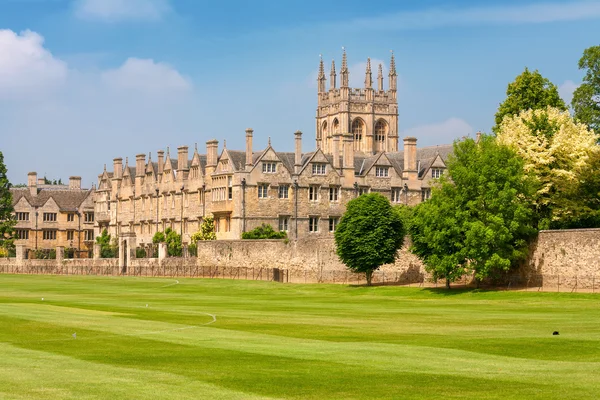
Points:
66	199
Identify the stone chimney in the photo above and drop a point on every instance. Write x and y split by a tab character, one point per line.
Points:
161	161
410	159
336	151
182	158
118	168
74	182
140	165
348	155
212	149
32	183
249	133
478	137
41	181
297	152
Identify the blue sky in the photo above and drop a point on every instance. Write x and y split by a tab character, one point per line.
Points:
85	81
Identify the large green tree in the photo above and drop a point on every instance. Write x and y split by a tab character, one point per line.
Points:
369	234
7	219
586	98
529	91
478	218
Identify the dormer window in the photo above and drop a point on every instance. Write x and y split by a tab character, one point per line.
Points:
269	167
436	172
382	172
318	169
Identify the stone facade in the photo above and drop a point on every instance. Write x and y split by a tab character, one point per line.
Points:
49	216
302	193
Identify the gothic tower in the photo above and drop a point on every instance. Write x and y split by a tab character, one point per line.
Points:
370	115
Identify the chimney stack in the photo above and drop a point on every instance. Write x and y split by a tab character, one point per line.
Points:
182	158
336	151
74	182
140	165
32	183
161	161
249	133
212	149
298	152
348	158
117	168
410	159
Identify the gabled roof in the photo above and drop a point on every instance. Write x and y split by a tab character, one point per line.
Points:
427	155
67	200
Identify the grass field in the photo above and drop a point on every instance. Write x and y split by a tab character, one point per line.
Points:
218	339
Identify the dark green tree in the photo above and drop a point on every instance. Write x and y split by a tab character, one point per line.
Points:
530	90
108	249
479	219
586	98
369	234
173	241
265	231
7	219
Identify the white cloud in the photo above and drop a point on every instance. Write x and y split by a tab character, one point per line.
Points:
147	76
443	132
26	66
498	15
120	10
566	89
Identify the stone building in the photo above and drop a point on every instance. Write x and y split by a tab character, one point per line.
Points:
49	216
302	193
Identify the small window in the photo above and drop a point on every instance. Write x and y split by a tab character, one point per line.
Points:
263	190
333	222
363	190
318	169
227	224
284	191
22	216
313	193
334	194
269	167
284	222
70	217
382	172
50	217
313	224
22	234
436	172
217	223
88	235
229	188
89	217
70	235
49	235
425	194
396	194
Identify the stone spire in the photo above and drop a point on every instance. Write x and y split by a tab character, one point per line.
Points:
368	75
344	70
332	76
321	77
393	76
380	78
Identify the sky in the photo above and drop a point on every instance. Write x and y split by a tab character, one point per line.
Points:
85	81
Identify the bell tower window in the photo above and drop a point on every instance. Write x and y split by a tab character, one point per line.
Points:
357	132
380	133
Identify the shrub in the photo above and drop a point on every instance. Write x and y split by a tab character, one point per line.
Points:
265	231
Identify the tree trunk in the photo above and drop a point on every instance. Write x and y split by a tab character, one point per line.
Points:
369	275
447	283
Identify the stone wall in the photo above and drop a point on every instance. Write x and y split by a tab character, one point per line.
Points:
568	258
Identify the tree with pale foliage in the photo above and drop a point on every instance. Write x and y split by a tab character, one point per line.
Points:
557	152
206	232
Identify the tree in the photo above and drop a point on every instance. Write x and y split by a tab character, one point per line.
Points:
369	234
108	247
478	219
556	151
529	91
7	219
172	240
586	98
206	232
265	231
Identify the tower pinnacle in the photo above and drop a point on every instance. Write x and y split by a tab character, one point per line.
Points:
332	76
321	77
368	75
392	75
380	78
344	70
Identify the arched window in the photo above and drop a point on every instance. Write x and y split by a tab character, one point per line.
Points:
380	130
336	126
357	132
323	132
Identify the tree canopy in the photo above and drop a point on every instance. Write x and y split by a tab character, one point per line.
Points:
173	241
557	152
478	218
586	98
108	247
529	91
206	232
7	220
369	234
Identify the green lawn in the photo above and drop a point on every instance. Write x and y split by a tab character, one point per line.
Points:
220	339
